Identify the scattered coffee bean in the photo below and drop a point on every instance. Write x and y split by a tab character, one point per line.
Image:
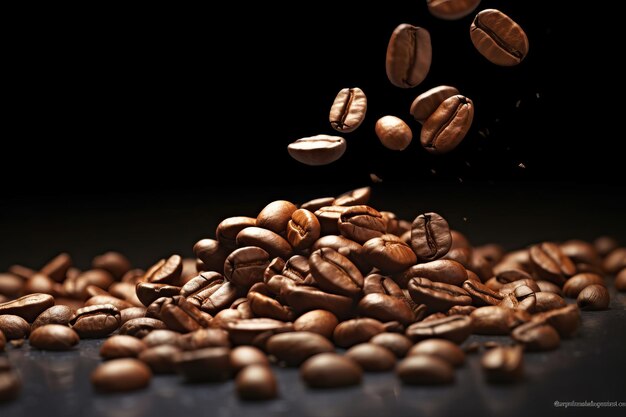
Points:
397	343
348	110
256	383
330	370
372	357
593	297
453	328
537	335
451	9
498	38
443	349
574	285
317	150
122	346
160	358
409	55
426	103
393	133
293	348
321	322
53	337
121	375
504	364
28	307
243	356
96	321
352	332
430	237
447	126
14	327
425	370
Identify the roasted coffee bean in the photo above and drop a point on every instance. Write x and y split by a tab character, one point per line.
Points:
21	271
227	231
504	364
393	133
297	268
204	365
328	218
565	320
350	249
113	262
243	332
256	383
425	370
437	296
122	346
96	321
140	327
620	280
498	38
53	337
372	357
11	285
245	266
199	288
218	297
132	313
108	299
125	291
550	263
303	229
522	298
397	343
182	316
293	348
243	356
28	307
426	103
263	305
409	55
212	254
121	375
615	261
57	267
443	349
317	150
605	245
304	298
385	308
352	332
203	338
580	252
430	237
442	270
166	271
348	110
510	287
361	223
317	203
538	336
447	126
3	341
380	284
451	9
453	328
546	301
330	370
148	292
494	320
160	358
481	294
321	322
14	327
275	267
10	381
356	197
593	297
460	255
548	286
265	239
161	337
39	283
389	254
275	216
460	310
335	273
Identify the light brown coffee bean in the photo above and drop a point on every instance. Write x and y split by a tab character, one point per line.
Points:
256	383
121	375
393	133
330	370
594	297
504	364
348	110
426	103
425	370
498	38
409	55
443	349
53	337
451	9
317	150
447	126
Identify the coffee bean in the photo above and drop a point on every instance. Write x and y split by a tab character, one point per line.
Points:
161	337
227	231
317	203
335	273
522	298
352	332
243	332
504	364
537	336
593	297
426	103
203	338
317	150
441	348
275	216
615	261
243	356
386	308
348	110
204	365
132	313
372	357
160	358
122	346
321	322
148	292
245	266
581	252
498	38
356	197
57	267
389	254
330	370
3	341
21	271
605	245
140	327
620	280
437	296
355	251
409	55
393	133
454	328
451	9
304	298
442	270
293	348
263	304
425	370
212	254
361	223
481	294
397	343
113	262
11	285
96	321
510	287
28	307
58	314
14	327
430	237
550	263
166	271
303	229
547	286
256	383
271	242
53	337
447	126
328	218
10	381
121	375
494	320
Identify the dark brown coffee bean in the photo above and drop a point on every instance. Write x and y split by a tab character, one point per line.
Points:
481	294
96	321
108	299
522	298
442	270
57	267
245	266
256	383
265	239
205	365
166	271
615	261
219	297
3	341
303	229
11	285
122	346
321	322
356	197
275	267
39	283
10	381
58	314
263	304
243	332
372	357
577	283
494	320
148	292
498	38
504	364
397	343
317	203
199	288
140	327
460	310
566	320
275	216
113	262
53	337
361	223
161	337
212	254
546	301
537	336
453	328
203	338
160	358
393	133
430	237
593	297
460	255
293	348
447	126
243	356
550	263
389	254
510	287
426	103
425	370
386	308
451	9
335	273
14	327
182	316
304	298
330	370
409	55
441	348
352	332
348	110
317	150
581	252
605	245
620	280
328	218
121	375
351	249
28	307
437	296
227	231
297	269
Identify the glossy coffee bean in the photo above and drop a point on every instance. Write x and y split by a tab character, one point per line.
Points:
451	9
574	285
274	244
548	286
321	322
275	216
481	294
96	321
437	296
330	370
148	292
262	304
355	331
212	254
356	197
204	365
550	263
317	150
161	337
565	320
303	298
28	307
349	249
293	348
372	357
447	126
14	327
57	267
120	375
430	237
593	297
620	280
504	364
348	110
425	370
443	349
243	356
303	229
426	103
140	327
361	223
537	336
393	133
335	273
166	271
256	383
498	38
53	337
113	262
397	343
11	285
132	313
160	358
389	254
494	320
122	346
228	229
386	308
454	328
243	332
546	301
245	266
409	55
58	314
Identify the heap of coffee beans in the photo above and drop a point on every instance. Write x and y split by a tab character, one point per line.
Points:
332	286
446	116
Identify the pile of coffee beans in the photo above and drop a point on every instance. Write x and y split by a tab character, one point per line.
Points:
446	116
332	286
